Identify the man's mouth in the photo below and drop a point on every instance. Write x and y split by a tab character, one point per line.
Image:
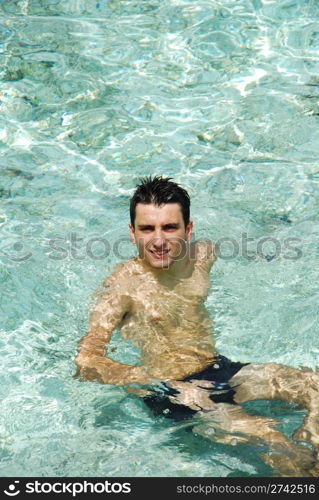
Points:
159	254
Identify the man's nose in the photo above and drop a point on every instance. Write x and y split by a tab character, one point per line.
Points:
159	239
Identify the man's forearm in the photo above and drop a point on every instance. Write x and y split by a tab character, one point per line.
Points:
106	371
94	365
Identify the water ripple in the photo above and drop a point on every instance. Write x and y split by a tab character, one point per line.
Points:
221	95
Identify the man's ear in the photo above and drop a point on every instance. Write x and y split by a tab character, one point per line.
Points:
132	234
189	229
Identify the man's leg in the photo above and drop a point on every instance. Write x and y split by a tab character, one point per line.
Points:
229	424
272	381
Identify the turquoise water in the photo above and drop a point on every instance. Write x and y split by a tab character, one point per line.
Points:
221	95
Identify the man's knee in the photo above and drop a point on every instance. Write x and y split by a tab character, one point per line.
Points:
255	381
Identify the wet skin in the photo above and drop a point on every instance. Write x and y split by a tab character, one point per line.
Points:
158	302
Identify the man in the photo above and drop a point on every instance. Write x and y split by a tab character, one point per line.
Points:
157	300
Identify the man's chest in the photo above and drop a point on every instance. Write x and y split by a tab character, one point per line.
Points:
156	302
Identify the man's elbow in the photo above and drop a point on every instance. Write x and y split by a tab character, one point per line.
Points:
82	366
85	372
212	251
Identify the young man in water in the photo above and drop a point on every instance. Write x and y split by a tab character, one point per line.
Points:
157	300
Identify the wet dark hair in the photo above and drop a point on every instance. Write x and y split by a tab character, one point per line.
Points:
159	191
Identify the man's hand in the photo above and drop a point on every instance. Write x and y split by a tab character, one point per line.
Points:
193	394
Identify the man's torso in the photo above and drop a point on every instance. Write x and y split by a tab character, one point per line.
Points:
167	319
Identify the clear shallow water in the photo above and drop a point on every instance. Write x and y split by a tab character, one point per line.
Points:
223	96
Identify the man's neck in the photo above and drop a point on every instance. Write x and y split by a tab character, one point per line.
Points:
180	269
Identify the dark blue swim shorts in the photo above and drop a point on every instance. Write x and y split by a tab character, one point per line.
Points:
218	373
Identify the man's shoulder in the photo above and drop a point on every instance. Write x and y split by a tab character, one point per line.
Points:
121	275
205	250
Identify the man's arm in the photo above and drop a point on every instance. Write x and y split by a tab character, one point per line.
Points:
90	360
211	252
206	253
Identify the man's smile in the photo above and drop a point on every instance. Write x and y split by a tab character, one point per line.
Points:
158	254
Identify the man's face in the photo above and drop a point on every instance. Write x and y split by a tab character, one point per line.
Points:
160	234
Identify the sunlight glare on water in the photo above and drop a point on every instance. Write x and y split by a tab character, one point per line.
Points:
223	97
